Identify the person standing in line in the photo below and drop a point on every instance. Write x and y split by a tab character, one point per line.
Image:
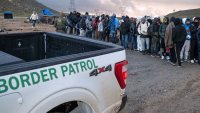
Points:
124	29
186	47
154	32
162	30
198	39
139	45
83	26
143	31
133	30
179	36
169	42
100	29
106	28
194	42
114	24
89	27
34	18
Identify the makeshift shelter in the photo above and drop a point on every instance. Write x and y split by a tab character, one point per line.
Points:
47	12
8	15
47	16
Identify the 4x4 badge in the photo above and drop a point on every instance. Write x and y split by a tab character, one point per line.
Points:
98	71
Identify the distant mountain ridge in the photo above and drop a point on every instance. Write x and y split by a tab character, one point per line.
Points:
186	13
22	7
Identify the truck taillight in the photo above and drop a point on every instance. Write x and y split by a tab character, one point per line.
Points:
121	73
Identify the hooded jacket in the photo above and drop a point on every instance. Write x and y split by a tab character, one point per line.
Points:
187	28
114	23
168	35
179	32
124	28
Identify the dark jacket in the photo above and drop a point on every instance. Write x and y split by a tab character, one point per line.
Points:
124	28
162	30
133	28
179	34
193	31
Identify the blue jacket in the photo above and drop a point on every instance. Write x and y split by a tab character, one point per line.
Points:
114	23
187	28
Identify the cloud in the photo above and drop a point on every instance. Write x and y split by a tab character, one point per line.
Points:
131	7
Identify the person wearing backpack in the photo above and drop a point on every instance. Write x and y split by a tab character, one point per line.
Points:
143	31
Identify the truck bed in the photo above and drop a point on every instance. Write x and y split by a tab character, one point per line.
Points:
40	49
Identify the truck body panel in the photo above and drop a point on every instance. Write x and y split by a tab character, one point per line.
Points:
52	77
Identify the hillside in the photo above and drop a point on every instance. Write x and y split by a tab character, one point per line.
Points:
21	7
186	13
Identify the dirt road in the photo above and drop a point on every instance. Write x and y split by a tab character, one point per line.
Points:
155	86
20	25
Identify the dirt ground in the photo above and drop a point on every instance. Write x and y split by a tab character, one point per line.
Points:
20	25
155	86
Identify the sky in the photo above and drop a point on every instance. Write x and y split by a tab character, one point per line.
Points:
133	8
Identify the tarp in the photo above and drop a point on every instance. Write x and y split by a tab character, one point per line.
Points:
8	15
47	12
8	12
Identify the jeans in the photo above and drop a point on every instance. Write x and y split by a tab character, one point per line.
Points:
82	32
139	45
173	55
194	49
125	41
179	45
89	33
198	38
34	22
185	50
133	41
113	38
154	45
145	44
162	46
121	39
101	36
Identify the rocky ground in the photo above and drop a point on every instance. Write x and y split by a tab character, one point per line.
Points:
155	86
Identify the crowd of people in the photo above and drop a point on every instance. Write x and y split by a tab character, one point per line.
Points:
174	39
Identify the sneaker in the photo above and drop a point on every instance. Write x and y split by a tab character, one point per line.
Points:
152	56
168	58
173	64
162	57
192	61
179	66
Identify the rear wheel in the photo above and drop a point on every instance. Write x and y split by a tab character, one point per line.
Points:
72	107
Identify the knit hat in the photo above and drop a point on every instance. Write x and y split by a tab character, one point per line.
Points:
172	19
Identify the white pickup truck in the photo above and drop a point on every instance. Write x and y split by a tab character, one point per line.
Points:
56	73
